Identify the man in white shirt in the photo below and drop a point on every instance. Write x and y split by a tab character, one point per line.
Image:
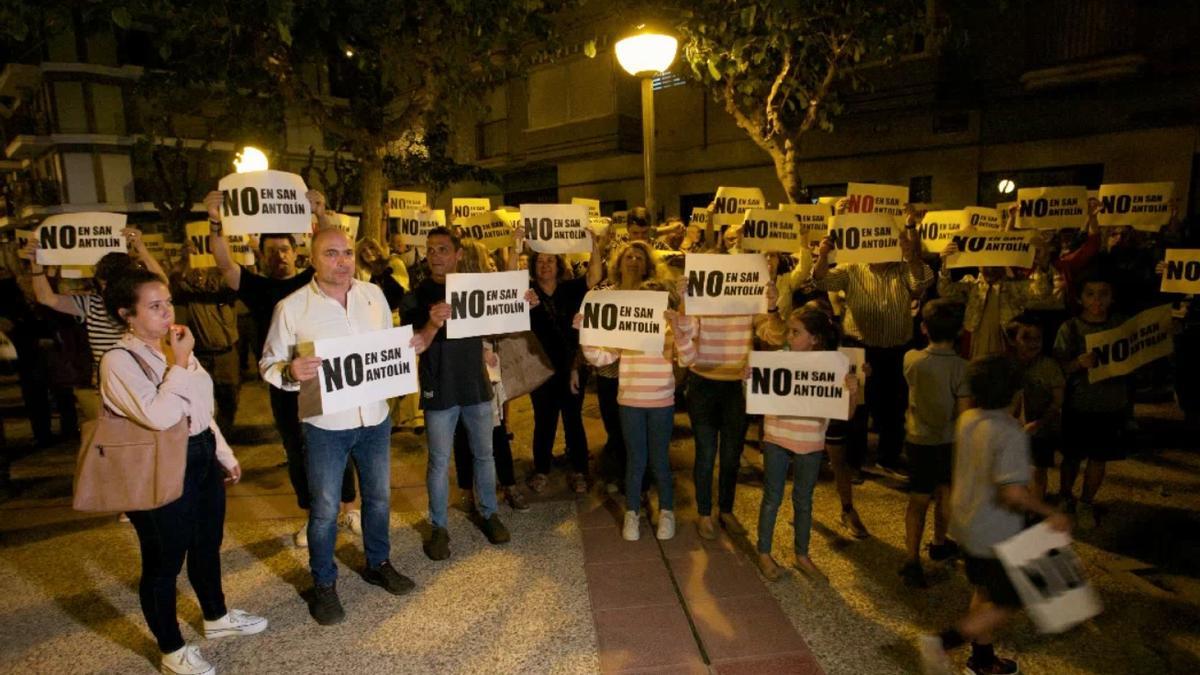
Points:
335	304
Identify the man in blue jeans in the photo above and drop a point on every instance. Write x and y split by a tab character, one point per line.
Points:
335	304
454	384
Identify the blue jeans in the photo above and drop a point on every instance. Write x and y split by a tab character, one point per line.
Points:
328	452
647	433
775	467
716	407
439	425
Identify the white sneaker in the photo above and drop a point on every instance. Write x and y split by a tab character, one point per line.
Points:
123	518
300	539
352	520
236	622
934	660
631	531
666	525
186	661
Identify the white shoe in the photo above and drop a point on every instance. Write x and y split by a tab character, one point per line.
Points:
186	661
666	525
631	531
352	520
236	622
934	660
123	518
300	539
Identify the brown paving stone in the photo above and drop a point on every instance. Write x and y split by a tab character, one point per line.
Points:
708	575
695	668
599	512
791	664
744	627
605	545
630	584
687	540
645	637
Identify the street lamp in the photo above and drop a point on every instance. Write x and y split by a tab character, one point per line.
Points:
644	55
250	159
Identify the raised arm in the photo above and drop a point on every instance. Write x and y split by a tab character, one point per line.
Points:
218	244
133	237
42	290
595	270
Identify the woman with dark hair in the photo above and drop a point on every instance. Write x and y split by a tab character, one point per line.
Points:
152	378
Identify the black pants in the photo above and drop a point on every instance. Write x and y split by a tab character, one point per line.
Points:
224	369
285	408
717	410
190	527
887	399
612	462
464	460
550	400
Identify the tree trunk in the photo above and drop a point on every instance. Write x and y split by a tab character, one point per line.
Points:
787	170
373	221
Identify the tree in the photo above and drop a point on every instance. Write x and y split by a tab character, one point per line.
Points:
427	161
780	66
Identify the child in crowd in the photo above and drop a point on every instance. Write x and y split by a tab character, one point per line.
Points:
798	442
646	398
937	393
1042	387
1094	413
988	505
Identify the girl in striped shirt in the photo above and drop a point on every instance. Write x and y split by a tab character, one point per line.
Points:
646	398
795	441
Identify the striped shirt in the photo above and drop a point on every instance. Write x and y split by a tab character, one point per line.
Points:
801	435
646	379
103	332
724	344
878	304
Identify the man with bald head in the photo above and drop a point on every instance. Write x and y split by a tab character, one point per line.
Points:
335	304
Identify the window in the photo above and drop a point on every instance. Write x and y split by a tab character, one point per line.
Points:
667	79
920	189
571	91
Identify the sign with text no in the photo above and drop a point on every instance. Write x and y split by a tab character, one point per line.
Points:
359	369
414	224
1181	271
798	384
462	208
1049	578
876	198
1140	340
865	238
79	238
992	248
624	320
1143	206
731	202
493	229
557	228
200	256
1052	208
726	285
399	200
258	202
487	303
772	230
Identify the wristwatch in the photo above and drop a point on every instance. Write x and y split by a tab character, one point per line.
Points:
287	374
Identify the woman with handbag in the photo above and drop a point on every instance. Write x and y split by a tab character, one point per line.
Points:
152	379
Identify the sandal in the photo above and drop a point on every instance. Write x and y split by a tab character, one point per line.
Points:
537	483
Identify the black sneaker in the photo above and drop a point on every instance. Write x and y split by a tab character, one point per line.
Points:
325	606
386	577
944	551
996	666
913	575
438	546
495	531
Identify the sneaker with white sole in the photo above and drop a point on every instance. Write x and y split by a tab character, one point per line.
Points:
236	622
300	539
666	525
186	661
632	529
352	520
934	659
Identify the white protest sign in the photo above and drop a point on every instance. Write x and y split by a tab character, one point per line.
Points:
359	369
487	303
23	239
349	225
557	228
490	228
876	198
982	217
624	320
264	201
414	224
1143	206
201	256
726	285
1051	208
937	227
772	230
1049	578
992	248
593	205
1140	340
814	218
730	202
798	384
79	238
400	200
240	249
1181	271
865	238
463	207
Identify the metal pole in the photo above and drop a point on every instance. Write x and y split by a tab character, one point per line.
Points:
648	146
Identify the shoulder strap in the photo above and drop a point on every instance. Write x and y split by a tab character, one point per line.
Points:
146	369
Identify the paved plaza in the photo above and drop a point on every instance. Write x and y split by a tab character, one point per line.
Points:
567	595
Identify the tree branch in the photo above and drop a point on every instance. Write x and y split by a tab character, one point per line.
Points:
831	72
750	126
773	123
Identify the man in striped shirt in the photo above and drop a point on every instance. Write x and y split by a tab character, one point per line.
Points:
879	299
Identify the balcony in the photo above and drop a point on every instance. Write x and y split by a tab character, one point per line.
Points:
1069	42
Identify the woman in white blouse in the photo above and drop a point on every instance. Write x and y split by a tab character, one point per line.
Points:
192	526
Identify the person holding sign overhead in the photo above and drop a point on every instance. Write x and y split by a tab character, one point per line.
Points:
335	304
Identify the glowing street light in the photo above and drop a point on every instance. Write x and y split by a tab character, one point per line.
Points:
1006	186
250	159
644	55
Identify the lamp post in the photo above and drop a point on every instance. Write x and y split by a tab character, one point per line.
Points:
644	55
250	159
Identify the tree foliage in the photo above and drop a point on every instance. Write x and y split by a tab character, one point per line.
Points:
780	67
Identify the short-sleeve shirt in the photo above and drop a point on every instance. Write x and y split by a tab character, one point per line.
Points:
260	295
991	451
937	378
1038	382
1106	396
103	332
452	372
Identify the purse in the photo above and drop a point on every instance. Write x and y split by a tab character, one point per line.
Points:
524	365
123	466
